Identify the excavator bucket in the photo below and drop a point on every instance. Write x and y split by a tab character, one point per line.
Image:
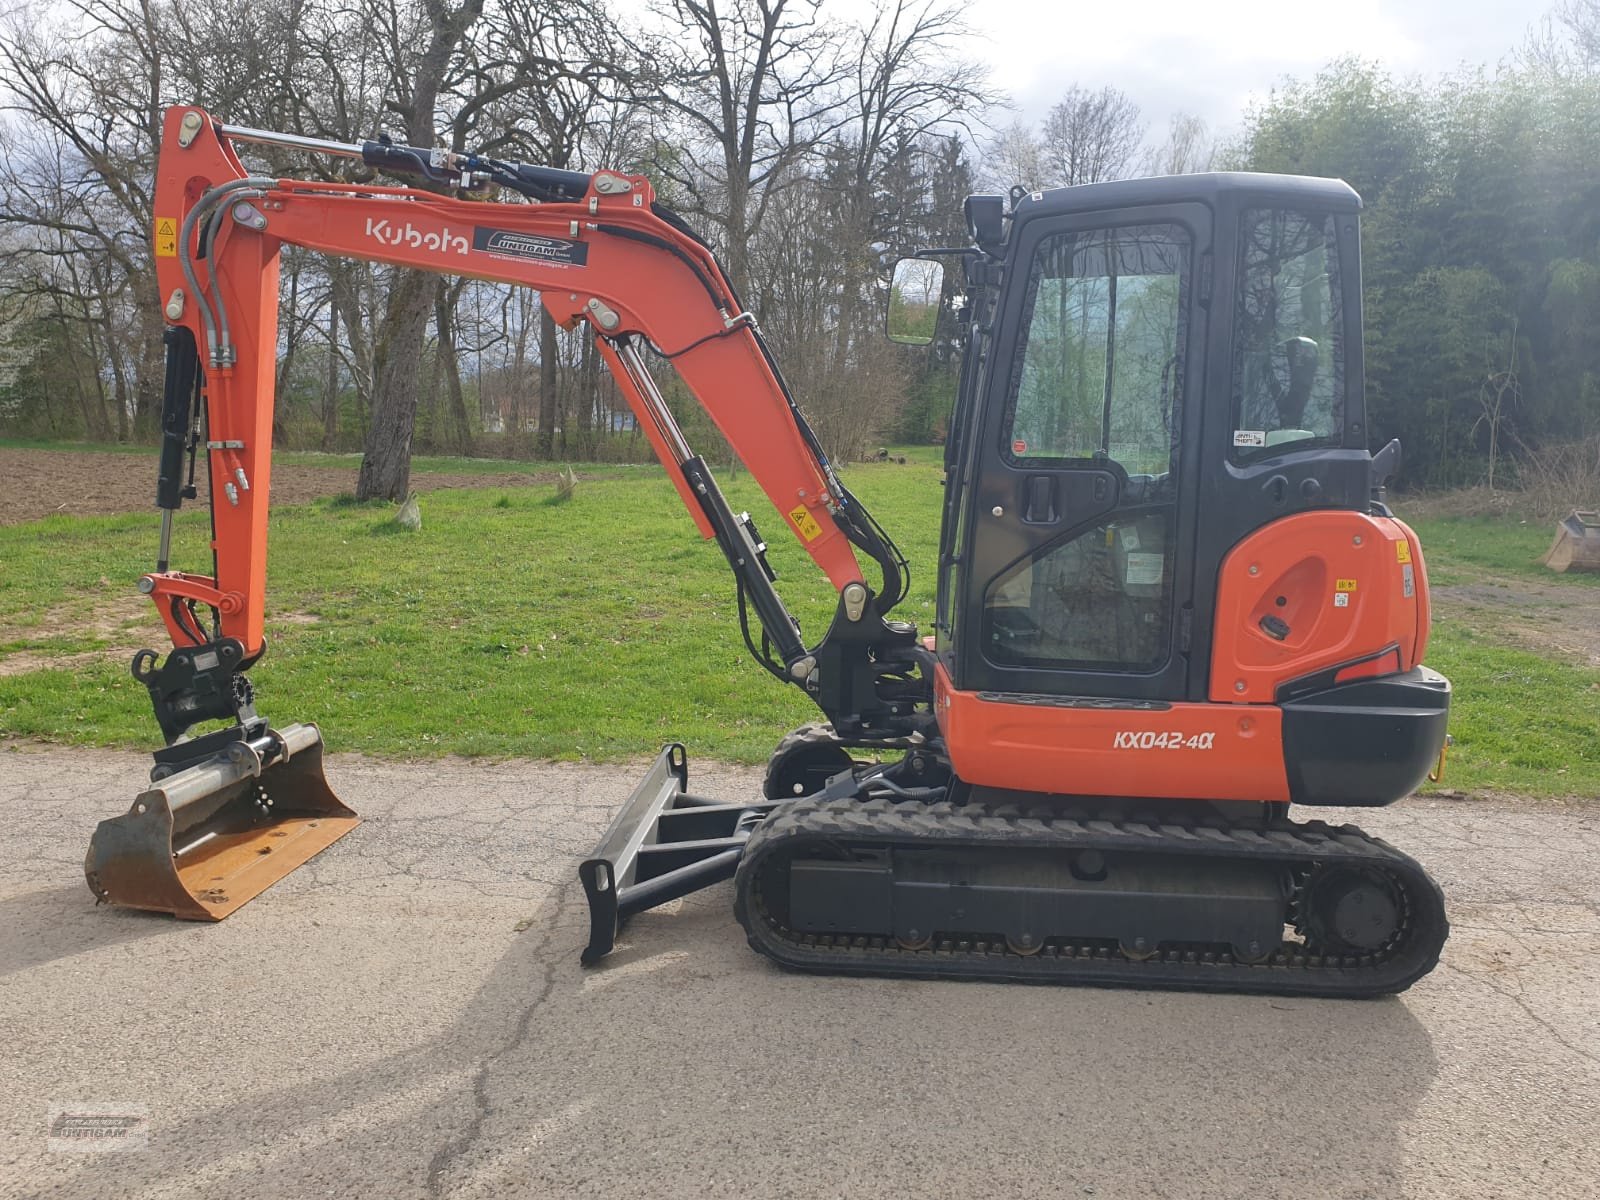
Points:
209	838
1577	544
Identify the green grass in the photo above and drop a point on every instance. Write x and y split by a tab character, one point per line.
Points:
1465	549
597	628
1522	723
420	463
604	627
424	464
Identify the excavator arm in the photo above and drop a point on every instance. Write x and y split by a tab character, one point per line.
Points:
610	257
601	251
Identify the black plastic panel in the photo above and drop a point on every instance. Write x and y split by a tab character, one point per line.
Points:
1366	743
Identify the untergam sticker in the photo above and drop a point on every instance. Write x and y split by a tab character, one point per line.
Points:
508	243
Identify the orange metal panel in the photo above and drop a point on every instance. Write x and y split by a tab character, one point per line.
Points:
1336	579
1183	752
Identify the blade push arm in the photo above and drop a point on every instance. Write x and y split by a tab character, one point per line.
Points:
611	258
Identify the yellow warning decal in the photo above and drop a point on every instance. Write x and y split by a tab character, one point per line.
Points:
1344	585
1402	551
805	523
166	237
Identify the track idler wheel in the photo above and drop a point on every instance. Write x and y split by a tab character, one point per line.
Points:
1349	911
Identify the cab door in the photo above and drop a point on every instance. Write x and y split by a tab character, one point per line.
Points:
1081	511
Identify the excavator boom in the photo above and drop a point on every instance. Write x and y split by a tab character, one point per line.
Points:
611	258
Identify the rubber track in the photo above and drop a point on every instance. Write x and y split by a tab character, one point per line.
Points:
1292	970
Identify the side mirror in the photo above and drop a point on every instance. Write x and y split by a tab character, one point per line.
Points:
914	294
986	217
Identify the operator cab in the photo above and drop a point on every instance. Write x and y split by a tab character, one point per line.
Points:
1154	369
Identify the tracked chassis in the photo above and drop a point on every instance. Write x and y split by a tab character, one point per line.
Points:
871	877
994	891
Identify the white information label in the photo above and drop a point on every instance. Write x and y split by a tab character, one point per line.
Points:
1249	437
1341	599
1144	569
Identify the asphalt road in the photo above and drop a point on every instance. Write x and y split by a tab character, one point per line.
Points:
406	1017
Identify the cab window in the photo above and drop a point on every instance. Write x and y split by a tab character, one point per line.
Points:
1098	372
1288	360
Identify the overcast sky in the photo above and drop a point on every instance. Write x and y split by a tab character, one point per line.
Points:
1209	57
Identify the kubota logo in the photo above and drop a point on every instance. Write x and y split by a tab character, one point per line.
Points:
410	235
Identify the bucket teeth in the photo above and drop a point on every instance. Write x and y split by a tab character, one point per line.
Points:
205	840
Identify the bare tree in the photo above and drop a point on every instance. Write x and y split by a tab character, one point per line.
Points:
1582	21
750	90
76	172
758	104
413	89
86	94
1014	158
904	84
538	79
1090	136
1499	392
1187	148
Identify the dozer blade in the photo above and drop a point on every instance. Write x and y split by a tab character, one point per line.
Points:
213	836
663	844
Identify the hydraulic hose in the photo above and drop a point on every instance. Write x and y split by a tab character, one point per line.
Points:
204	205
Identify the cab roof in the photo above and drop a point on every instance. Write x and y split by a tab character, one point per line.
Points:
1213	188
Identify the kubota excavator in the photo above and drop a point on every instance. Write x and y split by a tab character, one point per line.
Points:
1171	599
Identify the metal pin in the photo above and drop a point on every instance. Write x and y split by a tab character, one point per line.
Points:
249	216
608	184
604	314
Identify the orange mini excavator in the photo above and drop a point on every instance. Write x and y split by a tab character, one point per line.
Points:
1171	599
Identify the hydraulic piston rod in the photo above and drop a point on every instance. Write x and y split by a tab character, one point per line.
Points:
269	137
